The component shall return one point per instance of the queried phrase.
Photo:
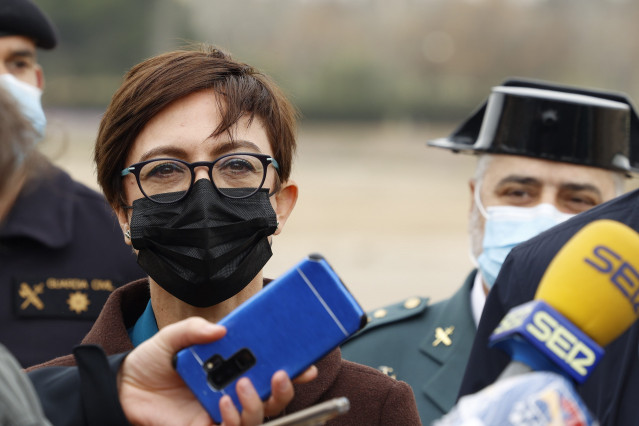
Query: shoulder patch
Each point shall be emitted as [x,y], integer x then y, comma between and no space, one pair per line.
[399,311]
[63,298]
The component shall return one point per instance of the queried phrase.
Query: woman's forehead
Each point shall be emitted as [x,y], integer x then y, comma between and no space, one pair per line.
[188,124]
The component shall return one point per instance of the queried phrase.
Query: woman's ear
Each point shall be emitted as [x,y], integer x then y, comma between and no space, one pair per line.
[285,200]
[123,220]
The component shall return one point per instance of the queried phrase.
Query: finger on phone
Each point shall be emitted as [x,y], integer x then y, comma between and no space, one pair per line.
[282,393]
[309,374]
[252,406]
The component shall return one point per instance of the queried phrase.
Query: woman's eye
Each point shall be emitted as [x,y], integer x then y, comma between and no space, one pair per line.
[238,165]
[164,170]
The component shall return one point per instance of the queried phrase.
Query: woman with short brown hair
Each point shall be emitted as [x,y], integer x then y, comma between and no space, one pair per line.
[194,154]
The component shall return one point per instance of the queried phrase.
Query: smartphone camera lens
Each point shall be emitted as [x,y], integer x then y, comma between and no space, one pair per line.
[224,372]
[244,360]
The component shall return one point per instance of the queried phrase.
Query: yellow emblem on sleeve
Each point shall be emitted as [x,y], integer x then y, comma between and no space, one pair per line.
[30,295]
[78,302]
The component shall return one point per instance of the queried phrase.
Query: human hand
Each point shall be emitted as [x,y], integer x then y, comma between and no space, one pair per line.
[151,392]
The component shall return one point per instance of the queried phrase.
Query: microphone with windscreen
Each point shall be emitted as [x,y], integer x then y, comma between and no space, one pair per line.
[588,296]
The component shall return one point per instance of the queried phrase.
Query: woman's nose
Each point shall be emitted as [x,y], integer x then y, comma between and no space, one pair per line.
[201,172]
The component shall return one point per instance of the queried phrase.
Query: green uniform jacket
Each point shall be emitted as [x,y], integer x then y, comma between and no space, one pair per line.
[425,346]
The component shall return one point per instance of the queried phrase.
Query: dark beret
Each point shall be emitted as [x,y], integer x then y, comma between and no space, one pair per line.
[22,17]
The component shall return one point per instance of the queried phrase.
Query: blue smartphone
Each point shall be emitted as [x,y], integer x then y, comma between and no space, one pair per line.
[290,324]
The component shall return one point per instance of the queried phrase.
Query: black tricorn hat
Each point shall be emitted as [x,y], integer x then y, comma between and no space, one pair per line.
[552,122]
[22,17]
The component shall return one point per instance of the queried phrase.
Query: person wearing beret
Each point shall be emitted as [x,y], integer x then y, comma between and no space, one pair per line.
[61,253]
[545,153]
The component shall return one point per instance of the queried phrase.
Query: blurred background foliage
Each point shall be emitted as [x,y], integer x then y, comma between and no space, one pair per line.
[354,60]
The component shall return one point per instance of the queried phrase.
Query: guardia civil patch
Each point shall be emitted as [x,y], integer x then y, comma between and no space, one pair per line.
[60,297]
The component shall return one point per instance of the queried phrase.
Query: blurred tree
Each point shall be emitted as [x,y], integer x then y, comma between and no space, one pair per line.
[355,59]
[101,40]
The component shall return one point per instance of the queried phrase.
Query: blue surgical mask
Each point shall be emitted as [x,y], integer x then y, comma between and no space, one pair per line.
[28,100]
[507,226]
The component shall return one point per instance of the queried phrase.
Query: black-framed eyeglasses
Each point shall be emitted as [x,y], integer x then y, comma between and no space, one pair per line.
[168,180]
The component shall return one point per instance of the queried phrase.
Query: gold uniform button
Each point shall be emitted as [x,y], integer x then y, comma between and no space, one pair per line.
[412,303]
[380,313]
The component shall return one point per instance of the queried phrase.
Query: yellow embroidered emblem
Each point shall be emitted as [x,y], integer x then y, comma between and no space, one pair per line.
[442,336]
[78,302]
[30,295]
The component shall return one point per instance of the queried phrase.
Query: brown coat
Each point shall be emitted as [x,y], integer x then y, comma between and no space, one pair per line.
[375,398]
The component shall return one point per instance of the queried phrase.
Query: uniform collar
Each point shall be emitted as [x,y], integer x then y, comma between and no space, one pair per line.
[44,210]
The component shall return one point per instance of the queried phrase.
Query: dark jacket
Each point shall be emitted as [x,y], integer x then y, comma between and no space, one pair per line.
[61,254]
[375,399]
[403,340]
[611,391]
[82,395]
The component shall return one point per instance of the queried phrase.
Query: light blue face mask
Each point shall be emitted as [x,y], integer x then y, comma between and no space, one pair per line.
[28,100]
[507,226]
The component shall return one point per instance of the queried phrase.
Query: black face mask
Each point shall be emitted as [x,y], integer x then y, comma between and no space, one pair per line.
[205,248]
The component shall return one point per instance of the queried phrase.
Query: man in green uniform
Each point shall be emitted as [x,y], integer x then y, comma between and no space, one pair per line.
[544,153]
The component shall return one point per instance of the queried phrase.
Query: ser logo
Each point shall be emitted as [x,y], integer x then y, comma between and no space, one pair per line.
[515,318]
[621,273]
[561,342]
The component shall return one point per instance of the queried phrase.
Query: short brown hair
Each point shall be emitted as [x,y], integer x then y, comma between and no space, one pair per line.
[153,84]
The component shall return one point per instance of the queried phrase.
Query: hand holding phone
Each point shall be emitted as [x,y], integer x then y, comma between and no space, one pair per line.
[290,324]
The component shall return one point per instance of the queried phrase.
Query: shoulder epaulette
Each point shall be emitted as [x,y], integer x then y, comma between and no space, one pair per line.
[399,311]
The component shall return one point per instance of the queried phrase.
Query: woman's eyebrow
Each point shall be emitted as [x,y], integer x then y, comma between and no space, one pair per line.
[175,151]
[234,145]
[172,151]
